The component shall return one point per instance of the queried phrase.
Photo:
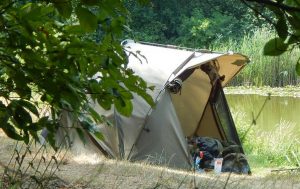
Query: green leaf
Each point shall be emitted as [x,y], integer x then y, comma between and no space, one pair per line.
[95,87]
[26,137]
[282,28]
[35,136]
[46,97]
[42,123]
[75,29]
[298,67]
[294,38]
[275,47]
[51,140]
[144,2]
[105,101]
[21,84]
[34,12]
[24,92]
[99,135]
[90,2]
[51,126]
[124,107]
[21,117]
[151,87]
[29,106]
[146,97]
[81,135]
[125,93]
[95,115]
[294,22]
[11,132]
[4,116]
[87,19]
[64,7]
[34,127]
[86,125]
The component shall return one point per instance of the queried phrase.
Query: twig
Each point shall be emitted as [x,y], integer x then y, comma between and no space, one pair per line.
[180,184]
[257,116]
[227,180]
[39,164]
[268,19]
[30,163]
[52,158]
[12,156]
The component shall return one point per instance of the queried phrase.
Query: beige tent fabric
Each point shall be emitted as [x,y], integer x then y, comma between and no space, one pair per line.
[130,127]
[110,133]
[190,103]
[155,64]
[73,139]
[198,59]
[175,116]
[158,65]
[162,141]
[208,125]
[230,65]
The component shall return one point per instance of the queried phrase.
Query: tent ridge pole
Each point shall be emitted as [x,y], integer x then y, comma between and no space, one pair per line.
[176,47]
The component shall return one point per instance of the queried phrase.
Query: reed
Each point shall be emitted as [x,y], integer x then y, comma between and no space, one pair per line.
[269,149]
[262,70]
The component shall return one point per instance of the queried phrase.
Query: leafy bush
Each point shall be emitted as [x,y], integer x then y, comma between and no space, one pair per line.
[48,56]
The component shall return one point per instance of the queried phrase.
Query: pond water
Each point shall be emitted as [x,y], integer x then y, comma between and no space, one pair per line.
[277,111]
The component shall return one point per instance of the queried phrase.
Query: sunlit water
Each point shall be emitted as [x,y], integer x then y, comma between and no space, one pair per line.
[277,110]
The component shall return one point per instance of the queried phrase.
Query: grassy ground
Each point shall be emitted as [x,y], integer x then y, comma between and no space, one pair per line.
[89,170]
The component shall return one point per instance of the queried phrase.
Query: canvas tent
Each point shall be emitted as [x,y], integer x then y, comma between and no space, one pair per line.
[158,134]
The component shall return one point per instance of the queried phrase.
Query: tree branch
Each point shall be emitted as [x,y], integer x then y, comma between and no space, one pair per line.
[277,4]
[3,9]
[266,18]
[258,12]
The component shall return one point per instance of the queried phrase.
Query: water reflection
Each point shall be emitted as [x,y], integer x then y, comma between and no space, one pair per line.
[276,110]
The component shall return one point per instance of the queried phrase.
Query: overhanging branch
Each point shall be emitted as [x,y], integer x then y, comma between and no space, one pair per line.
[277,4]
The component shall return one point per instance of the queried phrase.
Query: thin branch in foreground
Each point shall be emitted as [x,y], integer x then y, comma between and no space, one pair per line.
[277,4]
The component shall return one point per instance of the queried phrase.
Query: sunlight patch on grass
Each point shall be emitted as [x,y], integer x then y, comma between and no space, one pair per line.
[86,158]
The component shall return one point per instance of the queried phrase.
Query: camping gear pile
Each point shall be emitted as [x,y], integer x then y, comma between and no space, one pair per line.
[204,151]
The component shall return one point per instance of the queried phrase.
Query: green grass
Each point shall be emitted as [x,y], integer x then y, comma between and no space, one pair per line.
[277,148]
[263,70]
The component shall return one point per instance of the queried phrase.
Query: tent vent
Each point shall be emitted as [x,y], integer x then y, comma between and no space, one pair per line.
[175,86]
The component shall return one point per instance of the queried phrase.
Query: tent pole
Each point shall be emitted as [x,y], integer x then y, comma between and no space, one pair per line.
[176,47]
[94,141]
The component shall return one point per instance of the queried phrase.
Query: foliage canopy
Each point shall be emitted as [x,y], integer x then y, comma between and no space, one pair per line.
[49,57]
[284,16]
[200,24]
